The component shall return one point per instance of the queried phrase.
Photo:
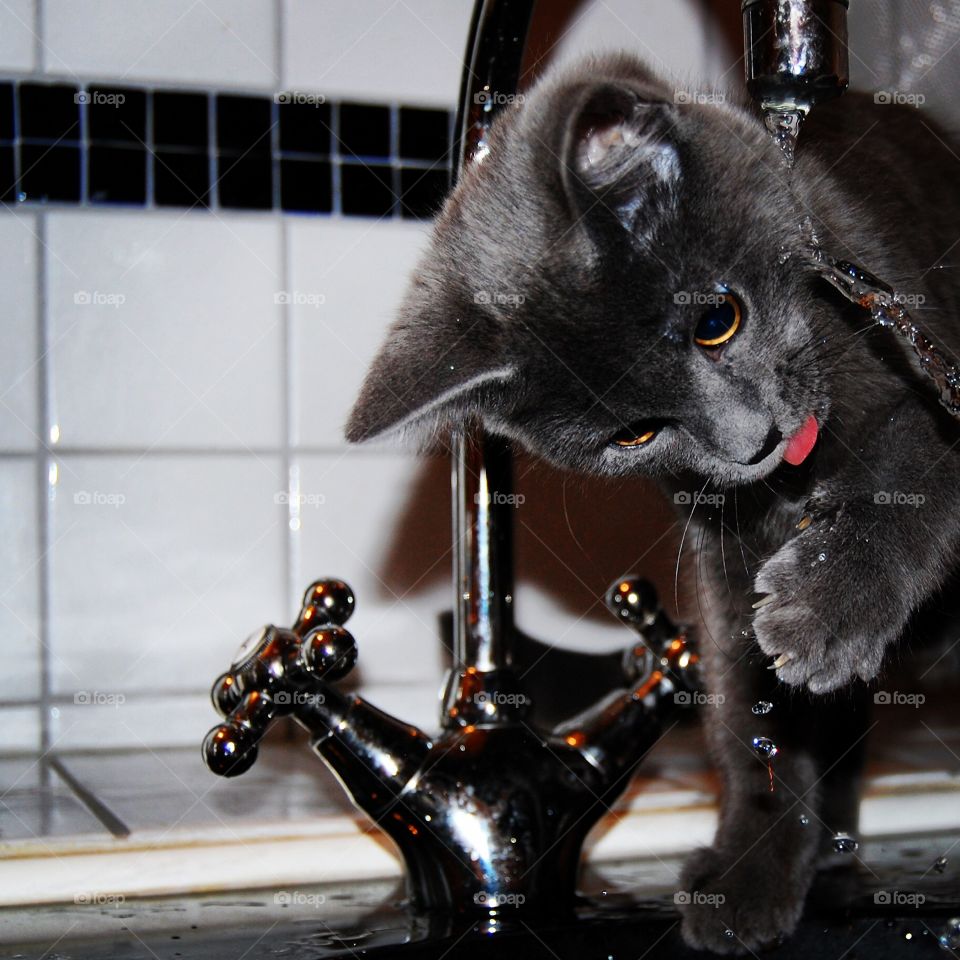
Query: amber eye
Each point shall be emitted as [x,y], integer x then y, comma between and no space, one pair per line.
[719,323]
[633,438]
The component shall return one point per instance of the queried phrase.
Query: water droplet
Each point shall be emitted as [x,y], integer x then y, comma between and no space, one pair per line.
[804,820]
[949,937]
[844,843]
[940,865]
[765,748]
[784,125]
[821,557]
[761,707]
[728,933]
[784,255]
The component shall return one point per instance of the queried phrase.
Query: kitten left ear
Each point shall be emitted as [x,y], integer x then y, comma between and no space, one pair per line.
[620,161]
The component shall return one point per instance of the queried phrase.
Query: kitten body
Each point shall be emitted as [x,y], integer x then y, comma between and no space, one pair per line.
[559,301]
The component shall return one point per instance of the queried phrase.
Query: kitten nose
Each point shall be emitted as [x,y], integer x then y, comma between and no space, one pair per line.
[769,445]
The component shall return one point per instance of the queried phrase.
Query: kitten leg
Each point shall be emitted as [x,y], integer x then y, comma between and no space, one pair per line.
[749,887]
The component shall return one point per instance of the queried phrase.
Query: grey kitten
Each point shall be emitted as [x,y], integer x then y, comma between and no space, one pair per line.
[621,287]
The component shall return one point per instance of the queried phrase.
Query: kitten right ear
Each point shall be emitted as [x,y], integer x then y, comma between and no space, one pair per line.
[620,161]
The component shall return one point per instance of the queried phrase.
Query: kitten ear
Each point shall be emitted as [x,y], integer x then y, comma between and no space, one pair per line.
[620,161]
[439,364]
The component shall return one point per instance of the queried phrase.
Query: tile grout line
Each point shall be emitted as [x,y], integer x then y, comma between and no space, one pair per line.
[289,426]
[42,470]
[90,800]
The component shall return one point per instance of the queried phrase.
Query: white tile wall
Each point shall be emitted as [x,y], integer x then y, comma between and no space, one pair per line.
[19,580]
[183,398]
[18,38]
[223,42]
[360,268]
[382,523]
[161,566]
[410,51]
[165,329]
[672,38]
[18,307]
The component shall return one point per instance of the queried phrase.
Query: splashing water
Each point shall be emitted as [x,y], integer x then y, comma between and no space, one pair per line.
[766,750]
[761,708]
[886,307]
[844,843]
[949,938]
[784,126]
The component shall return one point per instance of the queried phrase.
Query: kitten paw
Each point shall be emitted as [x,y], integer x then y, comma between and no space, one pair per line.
[732,906]
[822,625]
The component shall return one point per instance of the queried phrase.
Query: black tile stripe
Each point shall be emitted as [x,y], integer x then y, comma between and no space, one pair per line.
[296,152]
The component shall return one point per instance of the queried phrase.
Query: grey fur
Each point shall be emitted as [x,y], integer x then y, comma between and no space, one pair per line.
[556,303]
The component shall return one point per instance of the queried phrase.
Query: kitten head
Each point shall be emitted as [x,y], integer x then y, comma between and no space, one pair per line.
[605,288]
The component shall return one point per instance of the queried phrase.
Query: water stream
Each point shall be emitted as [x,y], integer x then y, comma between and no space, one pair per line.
[859,285]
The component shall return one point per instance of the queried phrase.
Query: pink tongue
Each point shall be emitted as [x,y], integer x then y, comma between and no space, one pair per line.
[802,442]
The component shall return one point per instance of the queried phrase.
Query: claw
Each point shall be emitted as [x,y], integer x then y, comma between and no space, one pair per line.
[782,660]
[763,601]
